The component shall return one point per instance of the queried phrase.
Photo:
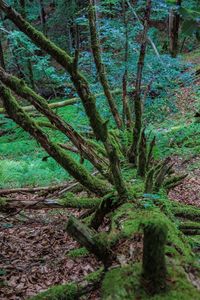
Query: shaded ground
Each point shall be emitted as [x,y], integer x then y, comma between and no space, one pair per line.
[34,255]
[188,192]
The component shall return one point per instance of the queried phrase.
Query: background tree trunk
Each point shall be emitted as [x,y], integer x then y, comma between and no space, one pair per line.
[174,24]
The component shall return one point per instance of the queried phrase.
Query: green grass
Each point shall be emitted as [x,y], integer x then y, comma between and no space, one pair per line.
[22,159]
[178,137]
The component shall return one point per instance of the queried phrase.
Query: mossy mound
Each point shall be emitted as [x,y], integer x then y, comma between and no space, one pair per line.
[71,200]
[128,219]
[125,284]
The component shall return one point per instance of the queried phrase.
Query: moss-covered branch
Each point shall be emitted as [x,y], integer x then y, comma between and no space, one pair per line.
[21,89]
[154,265]
[69,164]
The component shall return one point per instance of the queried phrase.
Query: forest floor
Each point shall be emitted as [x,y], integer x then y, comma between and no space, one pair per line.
[37,252]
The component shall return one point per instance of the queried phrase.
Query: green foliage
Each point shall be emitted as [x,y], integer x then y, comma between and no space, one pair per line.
[178,139]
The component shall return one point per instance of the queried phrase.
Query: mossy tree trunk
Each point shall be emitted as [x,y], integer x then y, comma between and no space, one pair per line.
[137,98]
[99,63]
[127,117]
[154,265]
[174,24]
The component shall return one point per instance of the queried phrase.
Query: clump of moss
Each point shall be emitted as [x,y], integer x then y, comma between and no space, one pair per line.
[2,202]
[136,188]
[71,200]
[59,292]
[128,219]
[80,252]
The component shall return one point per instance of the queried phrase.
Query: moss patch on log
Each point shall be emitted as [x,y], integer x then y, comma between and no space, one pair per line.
[71,200]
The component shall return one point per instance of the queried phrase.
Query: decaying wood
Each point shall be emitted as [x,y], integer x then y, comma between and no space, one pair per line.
[89,239]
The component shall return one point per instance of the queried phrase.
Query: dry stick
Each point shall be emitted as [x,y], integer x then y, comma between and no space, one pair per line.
[137,95]
[75,169]
[96,50]
[98,125]
[20,88]
[32,190]
[29,206]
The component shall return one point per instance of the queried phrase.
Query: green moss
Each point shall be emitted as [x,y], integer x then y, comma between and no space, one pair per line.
[80,252]
[71,200]
[190,225]
[186,211]
[128,219]
[2,202]
[59,292]
[124,284]
[95,276]
[136,188]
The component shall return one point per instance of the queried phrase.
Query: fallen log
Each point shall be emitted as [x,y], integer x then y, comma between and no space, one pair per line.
[90,240]
[7,204]
[37,189]
[60,104]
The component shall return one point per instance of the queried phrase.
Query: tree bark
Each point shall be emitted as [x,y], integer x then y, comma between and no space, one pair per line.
[2,61]
[43,17]
[174,24]
[89,239]
[137,93]
[154,265]
[99,63]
